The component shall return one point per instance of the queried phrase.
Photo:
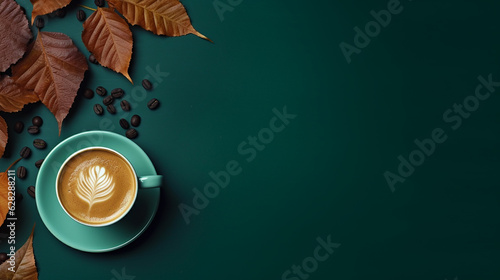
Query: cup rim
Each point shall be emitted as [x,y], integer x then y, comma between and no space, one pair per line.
[97,148]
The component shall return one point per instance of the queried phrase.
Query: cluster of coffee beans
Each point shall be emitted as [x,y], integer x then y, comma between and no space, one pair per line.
[108,103]
[25,152]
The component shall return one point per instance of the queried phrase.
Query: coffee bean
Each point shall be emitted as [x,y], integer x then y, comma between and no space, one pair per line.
[80,15]
[21,172]
[19,126]
[131,133]
[33,129]
[19,196]
[38,121]
[39,162]
[101,91]
[124,124]
[60,13]
[39,23]
[39,144]
[98,109]
[125,105]
[111,109]
[92,59]
[135,120]
[3,257]
[153,104]
[31,191]
[25,152]
[108,100]
[99,3]
[88,93]
[117,93]
[146,84]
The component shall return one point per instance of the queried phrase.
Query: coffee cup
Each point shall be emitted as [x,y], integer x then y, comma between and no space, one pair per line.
[97,186]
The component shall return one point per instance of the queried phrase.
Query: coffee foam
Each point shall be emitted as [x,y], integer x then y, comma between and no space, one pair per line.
[96,186]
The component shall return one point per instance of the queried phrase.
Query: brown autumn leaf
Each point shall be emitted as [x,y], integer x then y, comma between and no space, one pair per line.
[4,136]
[54,70]
[24,265]
[12,97]
[15,33]
[162,17]
[108,37]
[43,7]
[4,194]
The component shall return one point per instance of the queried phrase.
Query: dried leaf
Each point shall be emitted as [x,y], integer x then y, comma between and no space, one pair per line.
[4,136]
[25,267]
[4,195]
[12,97]
[108,37]
[162,17]
[53,69]
[15,33]
[43,7]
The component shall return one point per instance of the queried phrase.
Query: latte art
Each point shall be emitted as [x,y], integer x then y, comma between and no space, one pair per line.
[95,185]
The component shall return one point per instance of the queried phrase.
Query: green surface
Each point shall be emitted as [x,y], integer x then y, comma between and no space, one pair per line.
[323,174]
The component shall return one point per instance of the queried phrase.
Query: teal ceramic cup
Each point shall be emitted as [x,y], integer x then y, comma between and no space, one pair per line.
[138,183]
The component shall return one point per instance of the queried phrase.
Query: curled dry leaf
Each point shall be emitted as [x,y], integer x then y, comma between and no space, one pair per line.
[54,70]
[4,136]
[162,17]
[108,37]
[4,195]
[15,33]
[43,7]
[25,267]
[12,97]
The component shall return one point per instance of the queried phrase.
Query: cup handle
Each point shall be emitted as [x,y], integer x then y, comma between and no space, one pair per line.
[151,181]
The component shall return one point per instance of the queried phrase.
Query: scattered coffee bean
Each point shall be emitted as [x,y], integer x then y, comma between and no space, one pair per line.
[60,13]
[99,3]
[31,191]
[25,152]
[39,23]
[124,124]
[38,121]
[21,172]
[117,93]
[19,196]
[153,104]
[39,144]
[131,133]
[101,91]
[33,129]
[19,126]
[38,163]
[3,257]
[135,120]
[147,84]
[111,109]
[98,109]
[125,105]
[80,15]
[88,93]
[108,100]
[92,59]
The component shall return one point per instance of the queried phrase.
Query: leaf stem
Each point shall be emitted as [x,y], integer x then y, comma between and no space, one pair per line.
[86,7]
[13,164]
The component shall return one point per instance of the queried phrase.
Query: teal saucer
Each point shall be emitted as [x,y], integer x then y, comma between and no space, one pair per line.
[95,239]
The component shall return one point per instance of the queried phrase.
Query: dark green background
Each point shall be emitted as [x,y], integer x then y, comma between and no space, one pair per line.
[323,175]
